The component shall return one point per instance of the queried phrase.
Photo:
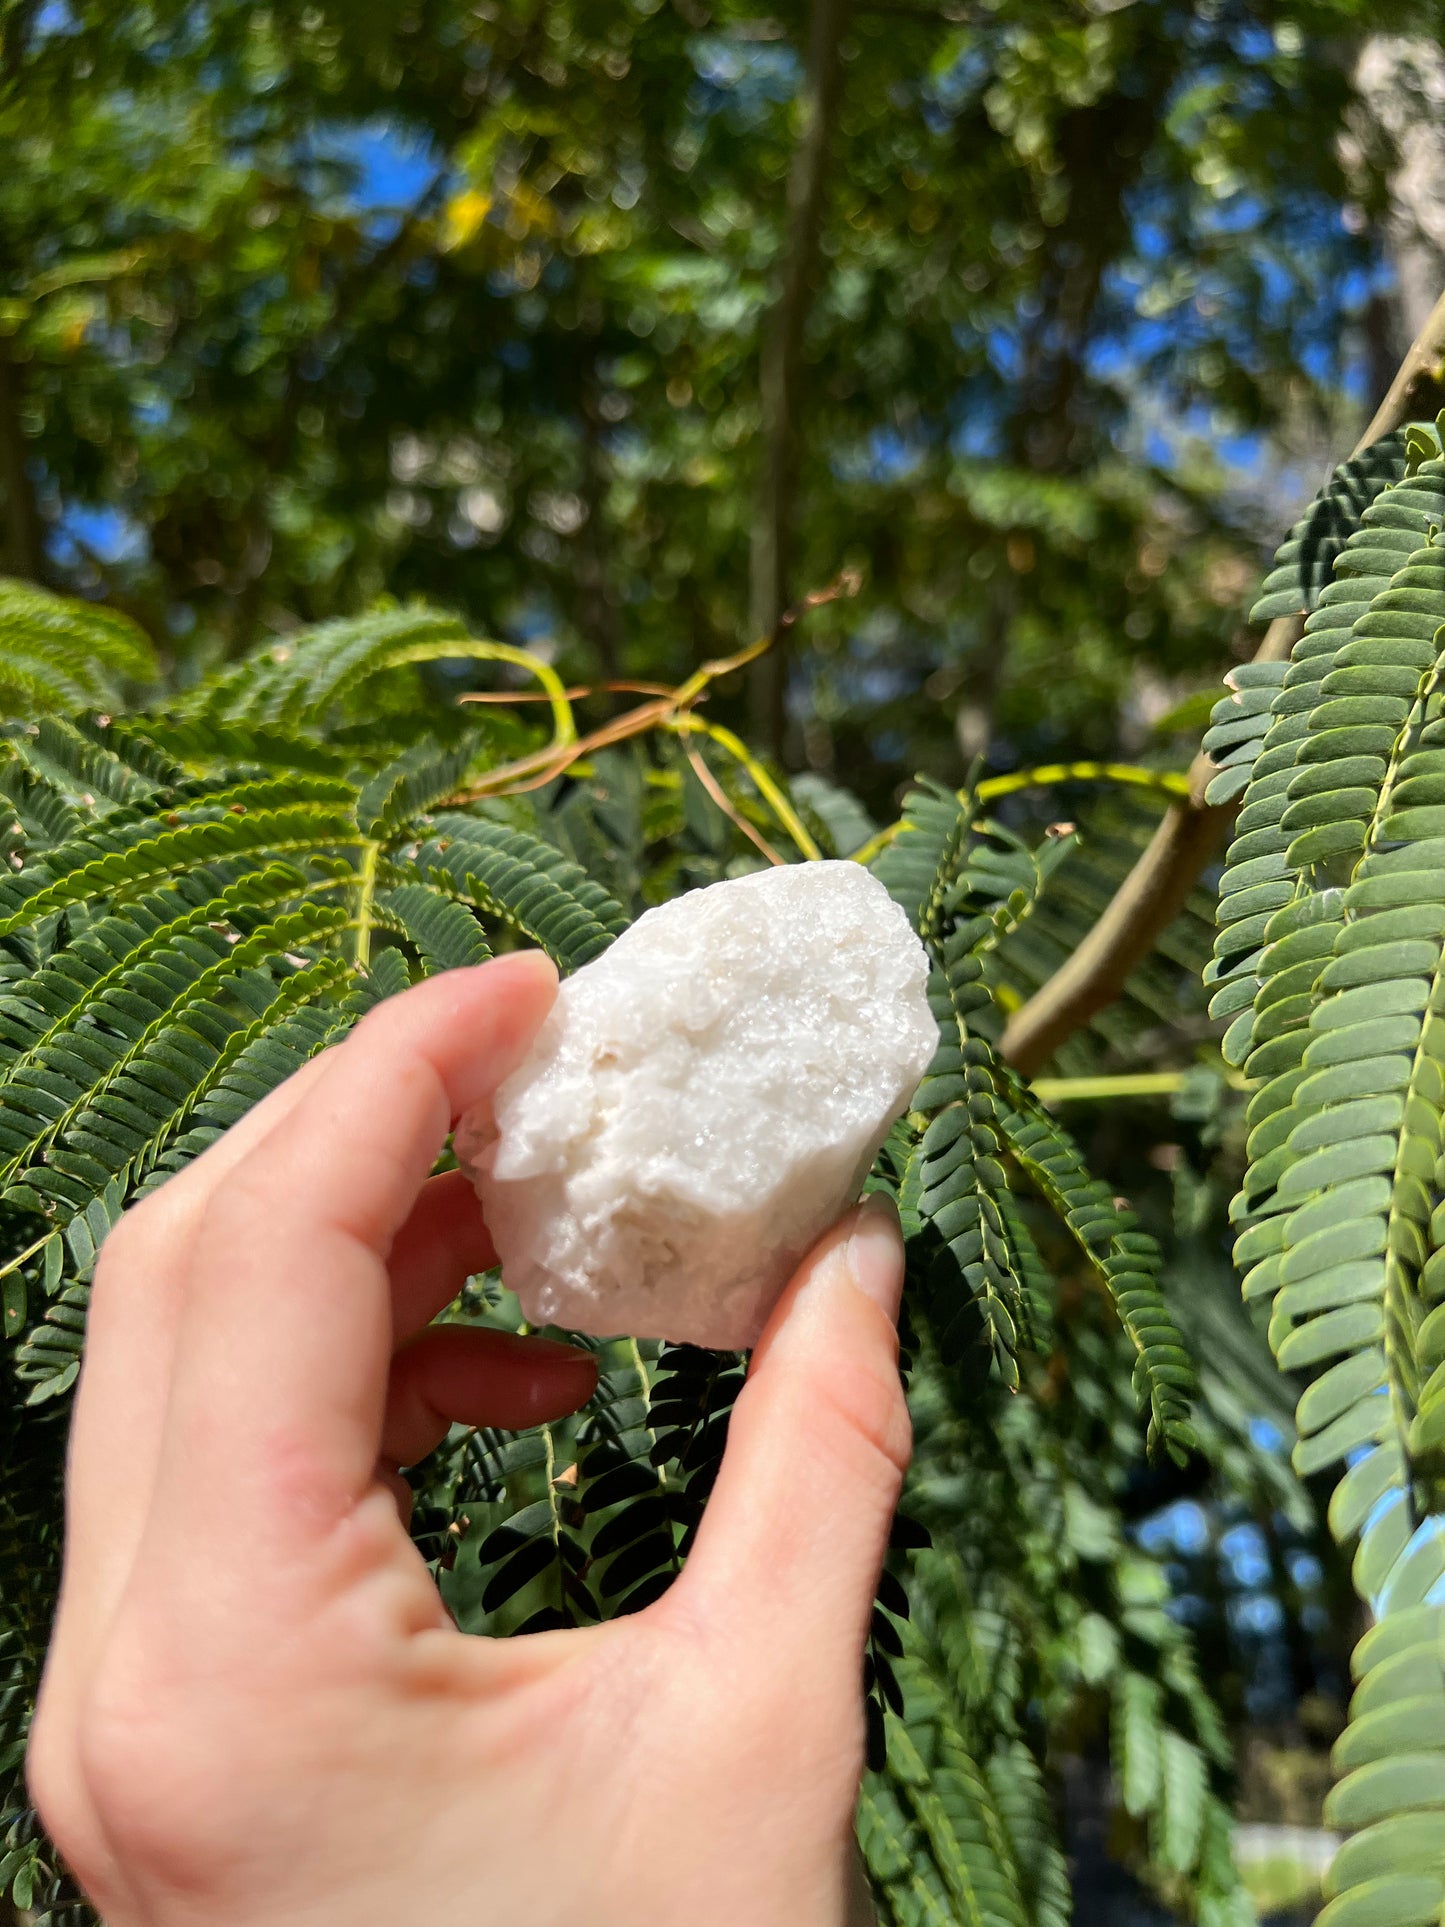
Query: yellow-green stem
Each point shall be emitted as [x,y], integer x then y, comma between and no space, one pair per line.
[1086,1090]
[23,1257]
[1044,776]
[365,897]
[1171,782]
[564,725]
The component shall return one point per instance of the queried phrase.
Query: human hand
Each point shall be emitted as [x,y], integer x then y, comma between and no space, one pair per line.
[256,1707]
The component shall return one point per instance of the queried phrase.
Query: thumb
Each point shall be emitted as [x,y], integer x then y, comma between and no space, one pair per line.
[789,1550]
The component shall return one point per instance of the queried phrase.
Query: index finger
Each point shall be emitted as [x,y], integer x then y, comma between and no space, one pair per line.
[286,1337]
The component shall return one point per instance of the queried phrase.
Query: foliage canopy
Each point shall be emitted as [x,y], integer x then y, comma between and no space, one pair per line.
[278,285]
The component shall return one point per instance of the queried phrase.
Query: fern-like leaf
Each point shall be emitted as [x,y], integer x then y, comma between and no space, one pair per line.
[1332,955]
[58,654]
[1305,560]
[533,887]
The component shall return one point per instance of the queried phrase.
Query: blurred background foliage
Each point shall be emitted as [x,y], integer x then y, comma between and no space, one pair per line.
[1062,304]
[616,326]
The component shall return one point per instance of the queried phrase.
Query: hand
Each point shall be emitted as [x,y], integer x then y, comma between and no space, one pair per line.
[256,1708]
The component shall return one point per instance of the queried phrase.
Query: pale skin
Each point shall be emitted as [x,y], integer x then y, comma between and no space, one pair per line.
[257,1709]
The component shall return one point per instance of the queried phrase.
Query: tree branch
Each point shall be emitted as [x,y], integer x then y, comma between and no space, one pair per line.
[1191,830]
[780,370]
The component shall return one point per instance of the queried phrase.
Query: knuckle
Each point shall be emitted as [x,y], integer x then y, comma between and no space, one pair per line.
[158,1777]
[125,1249]
[139,1238]
[50,1777]
[888,1429]
[870,1402]
[245,1208]
[135,1267]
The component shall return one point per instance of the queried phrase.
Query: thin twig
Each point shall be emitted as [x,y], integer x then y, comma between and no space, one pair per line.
[574,693]
[725,803]
[542,766]
[761,781]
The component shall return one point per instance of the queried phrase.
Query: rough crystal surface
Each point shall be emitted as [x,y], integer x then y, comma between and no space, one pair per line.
[702,1102]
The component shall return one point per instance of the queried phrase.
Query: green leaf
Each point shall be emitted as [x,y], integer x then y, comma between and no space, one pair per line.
[526,882]
[59,654]
[1305,559]
[1387,1787]
[1405,1843]
[1393,1900]
[1137,1740]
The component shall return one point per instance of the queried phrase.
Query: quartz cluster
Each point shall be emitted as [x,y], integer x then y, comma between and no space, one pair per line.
[702,1102]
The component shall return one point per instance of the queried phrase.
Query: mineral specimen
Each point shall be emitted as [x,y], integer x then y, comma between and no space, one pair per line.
[702,1102]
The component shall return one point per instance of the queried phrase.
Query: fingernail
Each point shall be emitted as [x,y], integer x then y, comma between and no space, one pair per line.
[875,1251]
[537,962]
[550,1351]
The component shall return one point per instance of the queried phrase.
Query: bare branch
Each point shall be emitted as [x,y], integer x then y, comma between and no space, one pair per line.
[1191,830]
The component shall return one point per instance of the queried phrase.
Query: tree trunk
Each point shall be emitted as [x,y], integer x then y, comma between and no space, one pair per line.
[22,551]
[597,603]
[1401,82]
[780,373]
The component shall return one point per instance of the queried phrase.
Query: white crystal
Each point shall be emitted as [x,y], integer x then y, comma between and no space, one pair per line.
[702,1102]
